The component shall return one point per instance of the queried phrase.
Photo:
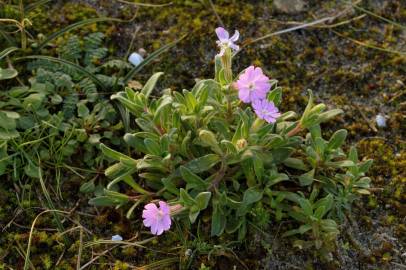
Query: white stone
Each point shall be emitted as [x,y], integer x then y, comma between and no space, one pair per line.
[116,237]
[380,121]
[135,59]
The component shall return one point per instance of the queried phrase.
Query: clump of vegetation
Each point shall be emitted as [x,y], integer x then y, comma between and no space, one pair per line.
[206,151]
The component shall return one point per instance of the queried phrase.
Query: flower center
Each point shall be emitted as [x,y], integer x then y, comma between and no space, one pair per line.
[251,86]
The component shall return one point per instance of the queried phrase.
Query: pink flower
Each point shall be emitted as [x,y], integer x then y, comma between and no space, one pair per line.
[225,41]
[266,110]
[253,85]
[159,219]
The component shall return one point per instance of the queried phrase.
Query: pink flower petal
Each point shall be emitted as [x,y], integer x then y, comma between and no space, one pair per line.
[166,222]
[244,95]
[164,207]
[235,37]
[222,34]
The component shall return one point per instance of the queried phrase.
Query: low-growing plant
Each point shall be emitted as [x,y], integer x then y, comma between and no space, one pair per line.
[223,148]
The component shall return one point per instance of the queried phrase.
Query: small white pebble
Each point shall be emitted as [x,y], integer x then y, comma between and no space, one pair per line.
[380,120]
[116,237]
[188,252]
[135,59]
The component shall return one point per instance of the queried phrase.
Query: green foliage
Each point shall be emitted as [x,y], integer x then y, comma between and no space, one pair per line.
[203,149]
[59,115]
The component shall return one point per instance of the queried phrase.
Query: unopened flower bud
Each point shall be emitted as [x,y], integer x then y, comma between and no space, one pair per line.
[241,144]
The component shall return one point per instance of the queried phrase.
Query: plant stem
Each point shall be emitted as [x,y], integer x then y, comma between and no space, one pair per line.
[294,131]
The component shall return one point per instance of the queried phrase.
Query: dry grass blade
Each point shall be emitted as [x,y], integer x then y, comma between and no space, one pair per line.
[144,4]
[27,261]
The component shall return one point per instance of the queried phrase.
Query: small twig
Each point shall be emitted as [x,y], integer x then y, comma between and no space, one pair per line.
[400,265]
[144,4]
[397,96]
[218,177]
[365,118]
[377,16]
[369,45]
[215,13]
[80,249]
[305,25]
[60,258]
[97,257]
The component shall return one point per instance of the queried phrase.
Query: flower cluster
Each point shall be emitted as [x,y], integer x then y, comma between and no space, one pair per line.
[253,87]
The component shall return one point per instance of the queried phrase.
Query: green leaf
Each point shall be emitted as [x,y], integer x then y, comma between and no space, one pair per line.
[309,105]
[83,111]
[170,185]
[186,198]
[304,228]
[295,163]
[275,96]
[307,179]
[315,132]
[320,211]
[103,201]
[87,187]
[69,64]
[233,224]
[152,146]
[326,202]
[317,109]
[290,233]
[364,182]
[193,213]
[252,195]
[337,139]
[114,154]
[258,167]
[353,154]
[191,101]
[202,200]
[365,165]
[32,170]
[7,73]
[7,51]
[320,146]
[203,163]
[341,164]
[150,84]
[135,142]
[8,134]
[7,122]
[218,222]
[306,206]
[323,117]
[274,179]
[192,180]
[329,225]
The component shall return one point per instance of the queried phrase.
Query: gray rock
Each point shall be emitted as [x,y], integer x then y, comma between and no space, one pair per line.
[289,6]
